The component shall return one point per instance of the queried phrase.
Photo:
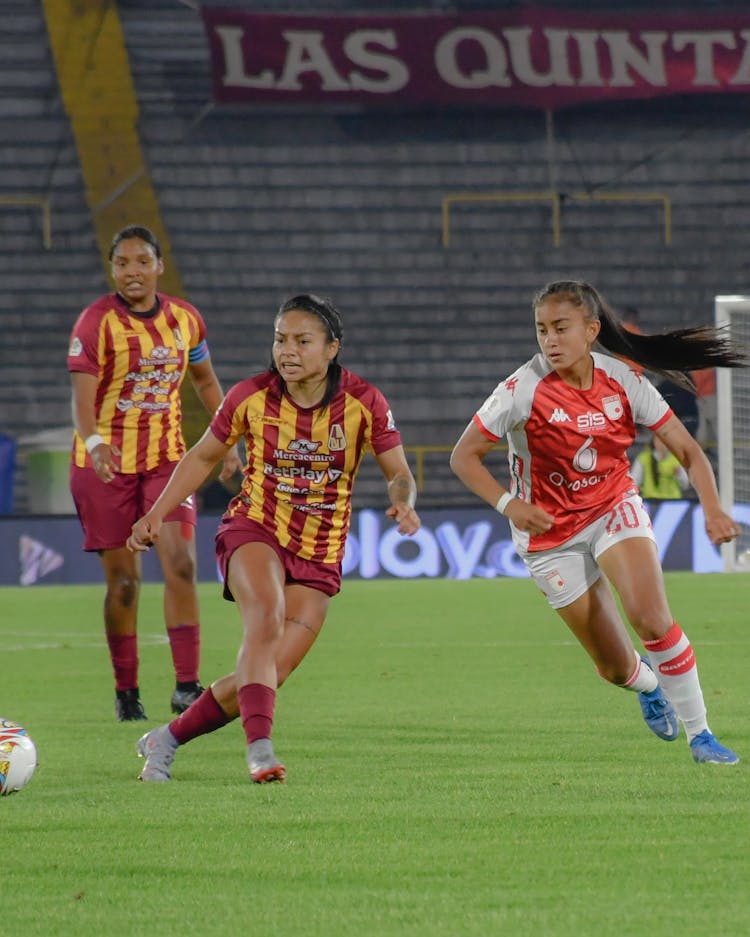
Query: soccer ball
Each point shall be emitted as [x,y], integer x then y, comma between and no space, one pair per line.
[10,728]
[17,757]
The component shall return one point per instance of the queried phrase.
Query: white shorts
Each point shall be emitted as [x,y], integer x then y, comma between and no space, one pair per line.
[564,573]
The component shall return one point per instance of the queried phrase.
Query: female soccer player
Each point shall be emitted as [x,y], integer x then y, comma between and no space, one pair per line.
[129,353]
[306,423]
[569,415]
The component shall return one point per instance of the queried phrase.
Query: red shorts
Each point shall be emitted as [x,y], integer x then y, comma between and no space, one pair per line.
[107,510]
[233,532]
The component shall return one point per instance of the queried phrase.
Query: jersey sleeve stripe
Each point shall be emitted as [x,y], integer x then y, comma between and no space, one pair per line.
[483,429]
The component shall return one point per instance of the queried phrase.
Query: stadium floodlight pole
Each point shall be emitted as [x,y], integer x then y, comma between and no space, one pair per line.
[731,313]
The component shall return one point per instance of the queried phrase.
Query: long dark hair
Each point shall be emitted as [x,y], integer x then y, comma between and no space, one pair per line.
[329,316]
[672,353]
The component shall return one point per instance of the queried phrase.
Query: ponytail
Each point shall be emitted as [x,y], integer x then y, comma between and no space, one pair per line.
[670,354]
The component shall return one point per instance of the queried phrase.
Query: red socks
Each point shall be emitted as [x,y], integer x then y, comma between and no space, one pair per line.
[185,643]
[123,651]
[256,709]
[203,716]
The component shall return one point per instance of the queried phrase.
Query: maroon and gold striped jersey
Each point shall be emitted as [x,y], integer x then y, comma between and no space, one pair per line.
[140,362]
[301,462]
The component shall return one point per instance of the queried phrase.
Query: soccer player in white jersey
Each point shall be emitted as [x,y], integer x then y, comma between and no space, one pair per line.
[569,415]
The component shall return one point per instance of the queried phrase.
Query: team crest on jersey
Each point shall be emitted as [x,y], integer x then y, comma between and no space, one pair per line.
[559,416]
[613,406]
[178,339]
[76,347]
[337,439]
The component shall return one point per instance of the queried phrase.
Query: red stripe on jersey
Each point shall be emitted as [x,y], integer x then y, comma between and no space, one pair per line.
[482,429]
[336,417]
[272,409]
[302,462]
[298,518]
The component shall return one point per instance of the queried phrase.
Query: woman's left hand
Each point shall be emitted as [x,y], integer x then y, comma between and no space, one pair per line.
[231,464]
[721,528]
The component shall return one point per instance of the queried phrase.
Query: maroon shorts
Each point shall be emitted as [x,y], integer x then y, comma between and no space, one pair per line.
[107,510]
[233,532]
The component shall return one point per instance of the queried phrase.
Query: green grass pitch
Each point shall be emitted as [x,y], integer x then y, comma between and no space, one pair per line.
[455,767]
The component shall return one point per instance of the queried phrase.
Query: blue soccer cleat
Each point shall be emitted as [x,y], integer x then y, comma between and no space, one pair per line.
[659,715]
[706,749]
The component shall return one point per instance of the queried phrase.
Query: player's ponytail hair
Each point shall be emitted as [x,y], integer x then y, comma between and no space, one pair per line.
[671,354]
[331,319]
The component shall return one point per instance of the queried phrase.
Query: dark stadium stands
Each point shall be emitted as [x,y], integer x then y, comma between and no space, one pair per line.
[349,204]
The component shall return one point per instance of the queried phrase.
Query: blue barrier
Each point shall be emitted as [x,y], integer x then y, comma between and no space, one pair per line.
[7,472]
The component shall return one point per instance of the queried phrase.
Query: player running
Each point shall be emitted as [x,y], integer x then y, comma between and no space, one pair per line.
[306,424]
[569,415]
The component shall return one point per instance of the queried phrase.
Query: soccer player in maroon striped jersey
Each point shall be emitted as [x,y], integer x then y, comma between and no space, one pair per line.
[307,423]
[129,353]
[569,416]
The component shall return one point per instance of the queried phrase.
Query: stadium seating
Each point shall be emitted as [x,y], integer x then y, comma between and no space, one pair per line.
[349,204]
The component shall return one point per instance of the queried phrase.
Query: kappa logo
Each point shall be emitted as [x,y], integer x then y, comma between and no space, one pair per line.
[559,416]
[511,384]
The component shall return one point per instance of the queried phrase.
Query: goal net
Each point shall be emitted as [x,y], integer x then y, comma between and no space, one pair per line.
[733,431]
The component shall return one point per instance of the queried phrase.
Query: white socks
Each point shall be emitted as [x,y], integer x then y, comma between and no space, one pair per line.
[674,662]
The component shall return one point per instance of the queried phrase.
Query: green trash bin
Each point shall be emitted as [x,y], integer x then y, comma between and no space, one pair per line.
[48,477]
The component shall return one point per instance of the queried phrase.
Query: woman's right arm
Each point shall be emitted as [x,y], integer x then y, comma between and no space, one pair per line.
[83,404]
[189,474]
[467,462]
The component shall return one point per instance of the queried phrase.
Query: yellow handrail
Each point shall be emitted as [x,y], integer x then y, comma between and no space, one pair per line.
[555,200]
[420,451]
[632,197]
[23,201]
[547,196]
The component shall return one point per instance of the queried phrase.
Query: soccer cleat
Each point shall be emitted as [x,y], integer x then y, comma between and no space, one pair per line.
[262,762]
[158,747]
[706,749]
[659,715]
[185,694]
[128,705]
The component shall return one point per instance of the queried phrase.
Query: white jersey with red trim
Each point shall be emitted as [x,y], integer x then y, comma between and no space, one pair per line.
[567,448]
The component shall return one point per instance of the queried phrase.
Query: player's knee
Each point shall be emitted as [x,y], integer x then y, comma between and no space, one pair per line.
[183,569]
[269,627]
[123,589]
[650,626]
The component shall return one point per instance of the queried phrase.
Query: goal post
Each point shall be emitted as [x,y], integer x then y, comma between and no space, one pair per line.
[733,431]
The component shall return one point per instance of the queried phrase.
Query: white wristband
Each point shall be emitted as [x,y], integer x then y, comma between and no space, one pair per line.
[502,504]
[92,441]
